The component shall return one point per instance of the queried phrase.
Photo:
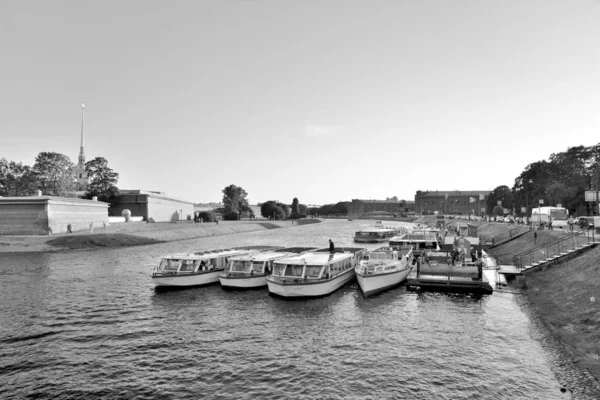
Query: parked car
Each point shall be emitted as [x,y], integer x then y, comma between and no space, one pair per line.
[499,219]
[509,220]
[585,222]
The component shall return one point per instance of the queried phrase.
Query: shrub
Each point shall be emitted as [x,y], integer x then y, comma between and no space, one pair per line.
[207,216]
[230,216]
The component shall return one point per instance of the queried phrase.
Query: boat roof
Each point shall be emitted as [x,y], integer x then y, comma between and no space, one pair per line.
[206,254]
[262,256]
[314,258]
[402,250]
[378,230]
[415,237]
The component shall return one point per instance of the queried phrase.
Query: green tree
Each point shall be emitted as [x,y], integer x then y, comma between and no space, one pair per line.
[502,194]
[16,179]
[102,180]
[295,208]
[272,209]
[234,199]
[498,210]
[55,174]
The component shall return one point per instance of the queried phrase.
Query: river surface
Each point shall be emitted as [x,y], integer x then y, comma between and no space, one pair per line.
[90,324]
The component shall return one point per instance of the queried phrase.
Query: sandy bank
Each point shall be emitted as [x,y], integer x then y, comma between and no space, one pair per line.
[136,233]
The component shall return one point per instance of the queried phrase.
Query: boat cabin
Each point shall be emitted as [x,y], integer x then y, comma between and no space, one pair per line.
[195,263]
[418,241]
[313,266]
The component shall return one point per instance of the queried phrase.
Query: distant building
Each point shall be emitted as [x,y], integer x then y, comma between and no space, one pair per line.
[43,215]
[358,207]
[154,205]
[451,202]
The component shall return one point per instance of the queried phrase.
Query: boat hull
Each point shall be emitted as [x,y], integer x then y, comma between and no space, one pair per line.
[451,285]
[246,282]
[373,284]
[310,289]
[365,240]
[204,278]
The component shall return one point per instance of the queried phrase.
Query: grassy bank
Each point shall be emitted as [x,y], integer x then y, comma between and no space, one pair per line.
[568,297]
[137,233]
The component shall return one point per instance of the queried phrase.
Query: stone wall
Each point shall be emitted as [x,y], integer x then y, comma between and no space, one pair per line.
[42,215]
[164,209]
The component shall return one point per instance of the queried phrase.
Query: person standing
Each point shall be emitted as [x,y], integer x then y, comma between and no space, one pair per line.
[331,246]
[534,237]
[91,227]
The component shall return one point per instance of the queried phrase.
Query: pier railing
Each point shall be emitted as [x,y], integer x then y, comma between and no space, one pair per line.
[559,247]
[493,240]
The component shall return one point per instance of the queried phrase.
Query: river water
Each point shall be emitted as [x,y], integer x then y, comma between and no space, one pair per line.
[89,324]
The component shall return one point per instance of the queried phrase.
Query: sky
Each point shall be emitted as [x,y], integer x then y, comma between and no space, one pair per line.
[325,101]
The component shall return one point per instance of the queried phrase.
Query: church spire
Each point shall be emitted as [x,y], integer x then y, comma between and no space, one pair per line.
[80,169]
[81,152]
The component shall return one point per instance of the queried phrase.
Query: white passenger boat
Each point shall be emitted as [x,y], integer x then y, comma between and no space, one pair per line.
[376,235]
[313,274]
[383,268]
[250,271]
[419,241]
[193,269]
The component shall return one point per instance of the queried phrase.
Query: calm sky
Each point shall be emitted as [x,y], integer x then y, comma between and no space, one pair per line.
[321,100]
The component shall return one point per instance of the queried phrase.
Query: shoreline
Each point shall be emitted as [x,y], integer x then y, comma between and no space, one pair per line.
[135,234]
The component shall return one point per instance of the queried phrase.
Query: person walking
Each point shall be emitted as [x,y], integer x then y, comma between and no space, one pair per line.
[91,227]
[69,229]
[331,246]
[534,237]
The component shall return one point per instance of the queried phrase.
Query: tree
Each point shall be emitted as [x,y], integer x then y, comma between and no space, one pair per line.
[103,180]
[234,199]
[502,194]
[16,179]
[393,198]
[55,174]
[271,209]
[295,208]
[498,210]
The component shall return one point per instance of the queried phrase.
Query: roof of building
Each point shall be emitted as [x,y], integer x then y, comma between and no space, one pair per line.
[153,193]
[381,201]
[48,198]
[453,193]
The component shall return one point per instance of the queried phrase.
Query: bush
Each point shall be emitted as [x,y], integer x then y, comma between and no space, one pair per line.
[207,216]
[231,216]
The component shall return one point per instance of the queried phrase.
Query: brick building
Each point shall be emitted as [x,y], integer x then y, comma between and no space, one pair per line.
[358,207]
[451,202]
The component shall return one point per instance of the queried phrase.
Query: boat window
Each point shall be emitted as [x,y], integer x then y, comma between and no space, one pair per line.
[257,266]
[169,265]
[278,269]
[241,266]
[187,266]
[293,270]
[312,271]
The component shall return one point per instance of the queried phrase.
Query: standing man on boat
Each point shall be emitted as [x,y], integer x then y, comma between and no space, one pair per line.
[331,246]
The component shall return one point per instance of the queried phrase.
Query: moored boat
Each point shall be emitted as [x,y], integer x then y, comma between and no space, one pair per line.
[249,271]
[313,274]
[450,271]
[193,269]
[419,241]
[375,235]
[384,268]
